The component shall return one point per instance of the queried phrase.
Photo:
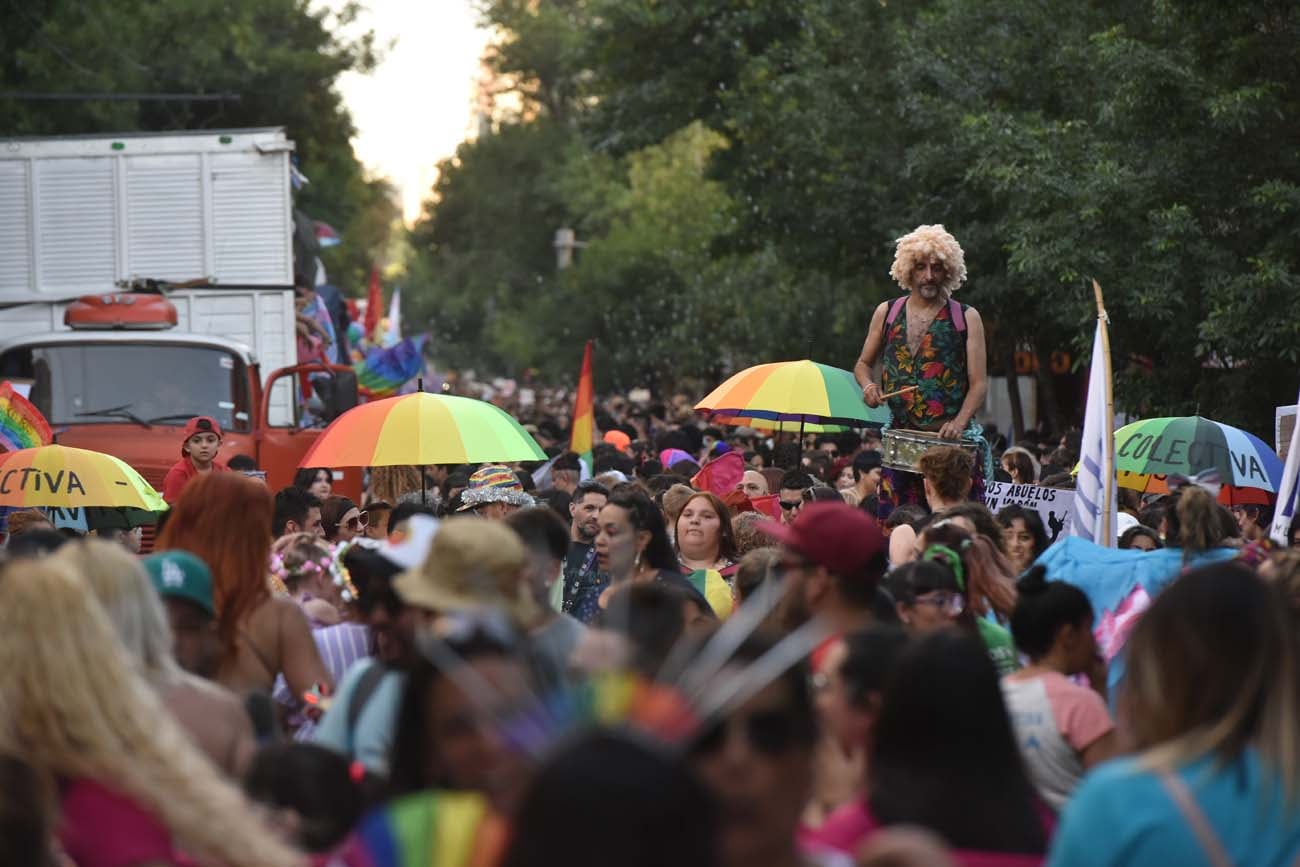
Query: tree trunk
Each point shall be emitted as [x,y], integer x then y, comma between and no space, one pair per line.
[1013,391]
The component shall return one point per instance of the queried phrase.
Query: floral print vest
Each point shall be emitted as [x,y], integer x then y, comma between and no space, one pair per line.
[939,369]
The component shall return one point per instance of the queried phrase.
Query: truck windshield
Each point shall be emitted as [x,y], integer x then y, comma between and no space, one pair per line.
[96,383]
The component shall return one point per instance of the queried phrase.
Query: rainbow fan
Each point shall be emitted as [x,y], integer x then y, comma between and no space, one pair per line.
[434,828]
[21,424]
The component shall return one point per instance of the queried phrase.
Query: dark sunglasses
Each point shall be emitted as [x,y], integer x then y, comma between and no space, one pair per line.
[361,520]
[771,733]
[789,506]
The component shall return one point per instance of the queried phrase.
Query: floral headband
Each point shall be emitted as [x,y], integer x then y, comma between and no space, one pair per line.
[331,564]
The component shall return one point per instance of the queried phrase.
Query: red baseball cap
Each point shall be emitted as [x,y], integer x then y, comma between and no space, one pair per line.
[618,440]
[201,424]
[834,535]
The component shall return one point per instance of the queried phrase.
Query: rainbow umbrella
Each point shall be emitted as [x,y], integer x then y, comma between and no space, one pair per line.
[420,429]
[68,478]
[792,395]
[1188,445]
[427,829]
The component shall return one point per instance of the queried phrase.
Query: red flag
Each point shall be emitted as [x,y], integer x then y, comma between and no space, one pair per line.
[769,505]
[720,475]
[374,305]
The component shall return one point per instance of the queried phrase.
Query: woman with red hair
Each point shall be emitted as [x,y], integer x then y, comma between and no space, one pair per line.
[225,520]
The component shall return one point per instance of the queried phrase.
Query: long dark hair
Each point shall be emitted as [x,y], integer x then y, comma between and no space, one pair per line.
[943,735]
[643,514]
[1042,608]
[1033,523]
[306,476]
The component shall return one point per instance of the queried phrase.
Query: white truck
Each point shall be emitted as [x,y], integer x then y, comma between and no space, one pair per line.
[84,221]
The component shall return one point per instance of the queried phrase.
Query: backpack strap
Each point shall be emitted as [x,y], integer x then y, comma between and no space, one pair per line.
[895,309]
[366,687]
[957,314]
[1211,846]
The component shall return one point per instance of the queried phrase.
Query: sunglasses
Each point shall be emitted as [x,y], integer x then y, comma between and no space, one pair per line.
[789,506]
[771,733]
[360,521]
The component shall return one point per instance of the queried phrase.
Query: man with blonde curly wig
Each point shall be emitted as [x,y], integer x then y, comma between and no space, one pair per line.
[927,340]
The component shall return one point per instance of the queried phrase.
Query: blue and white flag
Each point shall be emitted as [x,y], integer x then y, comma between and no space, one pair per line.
[1094,513]
[1286,495]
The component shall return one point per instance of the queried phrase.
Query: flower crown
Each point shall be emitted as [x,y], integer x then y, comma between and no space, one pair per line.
[332,564]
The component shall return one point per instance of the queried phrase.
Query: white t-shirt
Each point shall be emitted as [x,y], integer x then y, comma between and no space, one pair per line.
[1055,720]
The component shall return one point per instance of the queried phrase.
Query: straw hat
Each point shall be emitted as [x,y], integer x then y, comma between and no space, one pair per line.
[472,565]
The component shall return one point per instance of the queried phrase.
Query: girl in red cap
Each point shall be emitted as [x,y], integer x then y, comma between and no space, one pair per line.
[198,455]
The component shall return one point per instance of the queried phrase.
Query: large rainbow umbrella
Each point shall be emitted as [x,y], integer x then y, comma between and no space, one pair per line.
[790,395]
[1148,451]
[67,478]
[420,429]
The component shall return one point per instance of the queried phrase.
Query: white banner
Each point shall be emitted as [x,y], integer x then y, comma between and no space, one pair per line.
[1051,504]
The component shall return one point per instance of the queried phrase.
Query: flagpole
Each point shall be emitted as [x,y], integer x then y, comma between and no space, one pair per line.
[1103,322]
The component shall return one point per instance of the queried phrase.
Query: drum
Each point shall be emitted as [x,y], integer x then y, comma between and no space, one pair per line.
[902,449]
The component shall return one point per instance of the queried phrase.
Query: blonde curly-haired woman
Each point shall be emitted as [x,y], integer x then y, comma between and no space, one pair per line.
[213,716]
[132,788]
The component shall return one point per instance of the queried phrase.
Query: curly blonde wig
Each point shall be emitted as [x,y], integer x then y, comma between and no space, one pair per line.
[929,241]
[72,705]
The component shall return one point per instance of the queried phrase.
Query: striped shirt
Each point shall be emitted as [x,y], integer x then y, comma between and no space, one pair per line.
[341,646]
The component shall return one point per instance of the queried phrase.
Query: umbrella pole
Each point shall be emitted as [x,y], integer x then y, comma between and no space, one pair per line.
[424,497]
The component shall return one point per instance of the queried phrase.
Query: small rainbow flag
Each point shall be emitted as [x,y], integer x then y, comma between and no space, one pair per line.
[21,424]
[434,828]
[584,413]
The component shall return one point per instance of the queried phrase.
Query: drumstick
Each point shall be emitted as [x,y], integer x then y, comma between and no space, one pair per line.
[899,391]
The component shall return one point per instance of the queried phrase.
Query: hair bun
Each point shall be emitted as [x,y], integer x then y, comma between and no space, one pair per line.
[1033,582]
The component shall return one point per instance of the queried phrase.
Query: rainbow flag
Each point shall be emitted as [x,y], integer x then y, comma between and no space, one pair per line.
[383,371]
[434,828]
[584,413]
[21,424]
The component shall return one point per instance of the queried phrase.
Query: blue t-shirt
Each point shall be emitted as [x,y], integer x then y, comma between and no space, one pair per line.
[1122,815]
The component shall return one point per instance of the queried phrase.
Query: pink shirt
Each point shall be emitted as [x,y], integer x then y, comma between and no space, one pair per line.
[101,827]
[849,827]
[1055,720]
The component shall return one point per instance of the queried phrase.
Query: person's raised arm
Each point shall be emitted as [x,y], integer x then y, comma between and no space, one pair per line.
[864,371]
[976,374]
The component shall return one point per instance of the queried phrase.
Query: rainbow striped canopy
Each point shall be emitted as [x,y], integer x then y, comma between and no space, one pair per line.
[788,394]
[420,429]
[68,478]
[427,829]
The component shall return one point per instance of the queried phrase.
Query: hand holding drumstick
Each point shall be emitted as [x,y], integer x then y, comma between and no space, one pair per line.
[873,398]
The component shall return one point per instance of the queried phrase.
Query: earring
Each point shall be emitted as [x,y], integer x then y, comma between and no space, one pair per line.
[636,564]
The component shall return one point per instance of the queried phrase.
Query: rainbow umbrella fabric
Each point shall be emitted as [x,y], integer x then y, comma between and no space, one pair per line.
[421,429]
[427,829]
[1188,445]
[786,395]
[69,478]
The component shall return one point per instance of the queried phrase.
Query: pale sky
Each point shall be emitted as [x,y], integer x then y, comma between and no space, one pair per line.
[417,106]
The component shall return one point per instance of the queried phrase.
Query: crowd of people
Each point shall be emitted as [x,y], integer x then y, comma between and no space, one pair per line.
[637,658]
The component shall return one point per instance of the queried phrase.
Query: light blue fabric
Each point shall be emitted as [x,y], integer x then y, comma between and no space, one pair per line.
[372,739]
[1121,815]
[1109,575]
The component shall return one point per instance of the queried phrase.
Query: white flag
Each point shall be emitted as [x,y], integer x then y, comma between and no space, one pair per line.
[1286,497]
[1094,513]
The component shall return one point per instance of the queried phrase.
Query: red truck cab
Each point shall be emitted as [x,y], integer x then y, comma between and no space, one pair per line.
[122,382]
